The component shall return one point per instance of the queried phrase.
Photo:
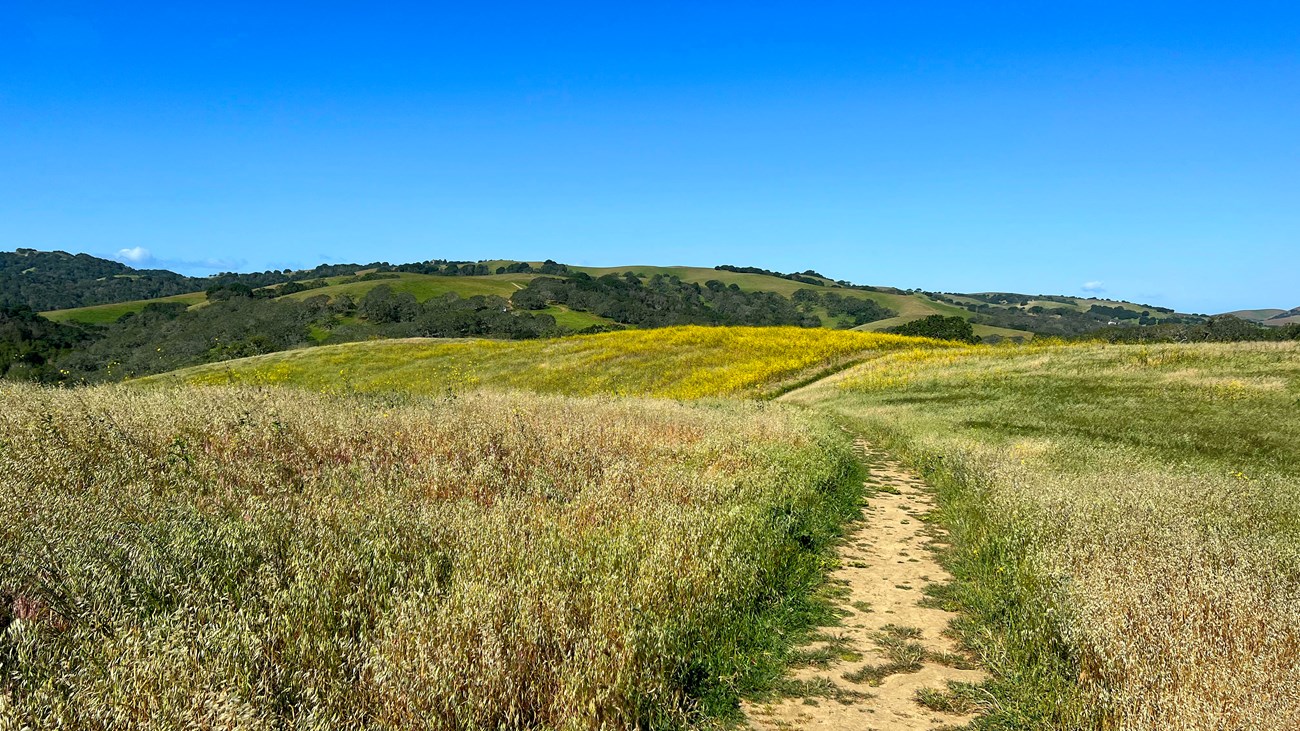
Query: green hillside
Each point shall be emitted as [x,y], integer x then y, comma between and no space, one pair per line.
[105,314]
[992,314]
[573,319]
[425,286]
[44,280]
[909,306]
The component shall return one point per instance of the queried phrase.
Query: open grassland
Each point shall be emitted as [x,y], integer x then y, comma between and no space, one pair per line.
[268,559]
[425,286]
[1126,522]
[1124,526]
[679,362]
[574,320]
[106,314]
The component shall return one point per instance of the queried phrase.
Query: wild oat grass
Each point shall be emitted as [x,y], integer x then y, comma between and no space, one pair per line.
[1143,500]
[678,362]
[252,558]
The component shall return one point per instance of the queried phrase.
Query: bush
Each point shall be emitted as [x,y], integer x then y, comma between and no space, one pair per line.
[939,328]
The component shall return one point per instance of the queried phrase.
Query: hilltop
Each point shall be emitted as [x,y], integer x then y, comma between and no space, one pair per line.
[86,289]
[1270,317]
[129,323]
[58,280]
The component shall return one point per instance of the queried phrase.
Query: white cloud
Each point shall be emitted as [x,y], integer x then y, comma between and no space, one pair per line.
[135,255]
[1093,287]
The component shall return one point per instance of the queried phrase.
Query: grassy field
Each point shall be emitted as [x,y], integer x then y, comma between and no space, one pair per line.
[681,362]
[1126,521]
[106,314]
[1124,525]
[574,320]
[426,286]
[265,559]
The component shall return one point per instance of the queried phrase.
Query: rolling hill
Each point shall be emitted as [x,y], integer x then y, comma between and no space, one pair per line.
[105,314]
[908,306]
[993,315]
[44,280]
[1272,317]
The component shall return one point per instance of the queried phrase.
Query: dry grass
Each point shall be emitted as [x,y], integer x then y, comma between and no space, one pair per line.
[241,558]
[1145,499]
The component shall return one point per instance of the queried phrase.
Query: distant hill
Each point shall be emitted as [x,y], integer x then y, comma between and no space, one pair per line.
[101,320]
[1289,317]
[1270,316]
[84,289]
[46,280]
[57,280]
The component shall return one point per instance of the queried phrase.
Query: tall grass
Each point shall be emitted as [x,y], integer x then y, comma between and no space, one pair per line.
[245,558]
[1126,522]
[678,362]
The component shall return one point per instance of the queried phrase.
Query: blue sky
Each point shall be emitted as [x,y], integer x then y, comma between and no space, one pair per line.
[1144,151]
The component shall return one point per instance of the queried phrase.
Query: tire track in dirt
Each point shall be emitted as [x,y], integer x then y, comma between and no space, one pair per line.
[866,671]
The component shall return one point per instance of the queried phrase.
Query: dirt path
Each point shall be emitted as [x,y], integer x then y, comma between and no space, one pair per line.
[865,673]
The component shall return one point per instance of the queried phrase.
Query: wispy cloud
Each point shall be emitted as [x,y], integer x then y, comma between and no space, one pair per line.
[202,267]
[139,256]
[135,255]
[1093,286]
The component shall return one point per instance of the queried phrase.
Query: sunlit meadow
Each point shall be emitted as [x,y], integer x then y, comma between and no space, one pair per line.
[677,362]
[253,558]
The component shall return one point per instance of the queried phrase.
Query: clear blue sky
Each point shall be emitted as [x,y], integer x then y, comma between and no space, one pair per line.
[1151,153]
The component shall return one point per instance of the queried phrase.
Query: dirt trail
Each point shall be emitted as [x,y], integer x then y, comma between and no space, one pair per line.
[888,643]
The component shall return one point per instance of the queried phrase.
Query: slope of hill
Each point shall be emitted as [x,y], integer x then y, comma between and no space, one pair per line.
[425,286]
[109,313]
[47,280]
[1257,315]
[61,282]
[908,306]
[681,362]
[1289,317]
[994,315]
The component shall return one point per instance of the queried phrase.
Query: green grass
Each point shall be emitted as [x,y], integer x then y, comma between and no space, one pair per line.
[426,286]
[1124,522]
[574,319]
[107,314]
[915,306]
